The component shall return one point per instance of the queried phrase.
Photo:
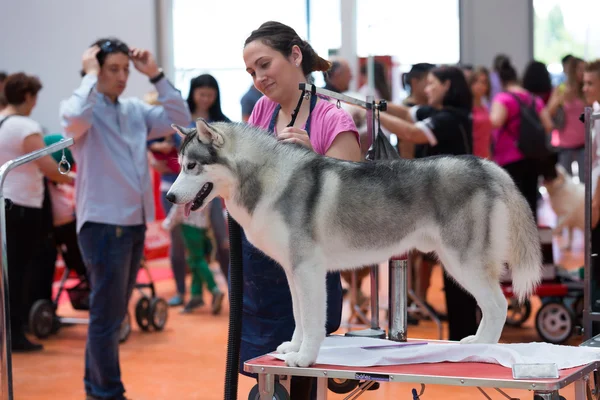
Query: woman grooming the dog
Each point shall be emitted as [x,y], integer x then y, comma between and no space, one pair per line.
[443,127]
[278,61]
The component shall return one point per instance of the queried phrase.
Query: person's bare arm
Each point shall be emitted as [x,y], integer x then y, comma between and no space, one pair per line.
[404,130]
[498,114]
[399,111]
[345,147]
[46,164]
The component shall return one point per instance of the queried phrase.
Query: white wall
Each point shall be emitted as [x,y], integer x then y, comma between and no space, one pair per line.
[47,39]
[489,27]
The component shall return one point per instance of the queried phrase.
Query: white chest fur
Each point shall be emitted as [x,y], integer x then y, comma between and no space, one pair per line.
[265,229]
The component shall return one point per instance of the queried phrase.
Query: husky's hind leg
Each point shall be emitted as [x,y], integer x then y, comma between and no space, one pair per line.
[293,345]
[310,289]
[481,281]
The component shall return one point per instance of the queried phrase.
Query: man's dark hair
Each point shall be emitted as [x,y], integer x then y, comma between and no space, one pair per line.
[3,76]
[108,46]
[566,58]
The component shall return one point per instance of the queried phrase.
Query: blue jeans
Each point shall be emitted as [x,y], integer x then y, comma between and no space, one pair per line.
[112,256]
[176,251]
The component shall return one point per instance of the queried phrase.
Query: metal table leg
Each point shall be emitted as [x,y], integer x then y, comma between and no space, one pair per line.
[397,325]
[266,386]
[322,388]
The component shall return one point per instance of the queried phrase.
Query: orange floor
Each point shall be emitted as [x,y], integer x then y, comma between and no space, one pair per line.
[187,359]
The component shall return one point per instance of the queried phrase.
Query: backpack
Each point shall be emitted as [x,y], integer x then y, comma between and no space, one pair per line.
[533,142]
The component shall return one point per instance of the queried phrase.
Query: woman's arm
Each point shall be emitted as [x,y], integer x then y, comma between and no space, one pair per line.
[546,120]
[498,114]
[403,129]
[555,101]
[399,111]
[46,164]
[344,147]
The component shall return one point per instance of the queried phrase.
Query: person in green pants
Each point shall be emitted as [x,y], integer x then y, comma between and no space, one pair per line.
[194,229]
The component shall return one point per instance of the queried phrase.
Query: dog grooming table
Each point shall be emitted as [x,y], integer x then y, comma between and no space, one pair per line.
[477,375]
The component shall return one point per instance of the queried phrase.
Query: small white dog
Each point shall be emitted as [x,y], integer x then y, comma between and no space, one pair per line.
[567,199]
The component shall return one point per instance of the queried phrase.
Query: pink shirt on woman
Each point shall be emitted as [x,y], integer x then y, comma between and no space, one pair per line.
[482,131]
[573,133]
[505,137]
[327,121]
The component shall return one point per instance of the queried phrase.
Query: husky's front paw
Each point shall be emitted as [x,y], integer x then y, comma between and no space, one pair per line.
[479,339]
[288,347]
[470,339]
[301,359]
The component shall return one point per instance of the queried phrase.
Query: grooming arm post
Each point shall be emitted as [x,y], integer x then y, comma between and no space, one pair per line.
[6,382]
[397,315]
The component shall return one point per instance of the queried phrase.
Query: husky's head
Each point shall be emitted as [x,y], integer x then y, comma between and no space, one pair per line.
[202,170]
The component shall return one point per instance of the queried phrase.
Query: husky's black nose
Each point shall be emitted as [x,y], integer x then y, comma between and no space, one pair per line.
[171,197]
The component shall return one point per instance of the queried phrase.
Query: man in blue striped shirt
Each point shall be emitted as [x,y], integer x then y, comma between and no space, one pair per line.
[113,192]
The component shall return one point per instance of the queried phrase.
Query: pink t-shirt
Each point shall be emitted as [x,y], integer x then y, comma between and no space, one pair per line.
[573,133]
[505,137]
[482,132]
[326,122]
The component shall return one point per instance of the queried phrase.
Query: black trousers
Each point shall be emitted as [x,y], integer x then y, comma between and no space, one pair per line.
[525,174]
[23,237]
[462,310]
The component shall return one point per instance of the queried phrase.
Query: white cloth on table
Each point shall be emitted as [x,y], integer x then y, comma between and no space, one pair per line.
[348,352]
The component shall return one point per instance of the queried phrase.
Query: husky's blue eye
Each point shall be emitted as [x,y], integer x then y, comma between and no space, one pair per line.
[191,165]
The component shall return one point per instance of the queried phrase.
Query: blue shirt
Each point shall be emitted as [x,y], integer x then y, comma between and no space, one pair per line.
[113,179]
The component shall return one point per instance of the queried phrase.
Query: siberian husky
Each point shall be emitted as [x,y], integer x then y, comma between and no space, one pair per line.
[314,214]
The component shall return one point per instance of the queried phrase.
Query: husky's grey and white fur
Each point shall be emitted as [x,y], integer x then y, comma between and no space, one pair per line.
[314,214]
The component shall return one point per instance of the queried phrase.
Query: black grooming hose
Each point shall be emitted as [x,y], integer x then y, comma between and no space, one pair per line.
[236,293]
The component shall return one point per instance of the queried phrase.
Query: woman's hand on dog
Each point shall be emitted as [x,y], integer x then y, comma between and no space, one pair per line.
[295,135]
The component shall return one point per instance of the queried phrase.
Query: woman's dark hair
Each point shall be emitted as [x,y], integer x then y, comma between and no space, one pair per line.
[418,71]
[499,59]
[459,94]
[214,112]
[381,82]
[506,72]
[17,85]
[282,38]
[536,78]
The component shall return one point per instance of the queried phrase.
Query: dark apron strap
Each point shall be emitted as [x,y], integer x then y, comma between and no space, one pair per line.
[313,102]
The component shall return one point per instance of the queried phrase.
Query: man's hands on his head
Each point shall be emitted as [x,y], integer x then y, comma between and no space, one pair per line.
[144,62]
[90,62]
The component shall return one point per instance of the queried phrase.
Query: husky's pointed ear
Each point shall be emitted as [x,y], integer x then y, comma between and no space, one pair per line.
[181,130]
[207,134]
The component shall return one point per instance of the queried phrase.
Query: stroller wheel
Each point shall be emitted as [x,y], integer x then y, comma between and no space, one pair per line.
[142,313]
[125,329]
[554,322]
[159,311]
[279,393]
[41,318]
[341,386]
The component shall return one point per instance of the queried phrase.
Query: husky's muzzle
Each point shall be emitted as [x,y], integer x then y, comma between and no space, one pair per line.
[198,200]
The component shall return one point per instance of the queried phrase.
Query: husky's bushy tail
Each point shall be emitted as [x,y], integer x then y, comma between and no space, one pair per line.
[525,254]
